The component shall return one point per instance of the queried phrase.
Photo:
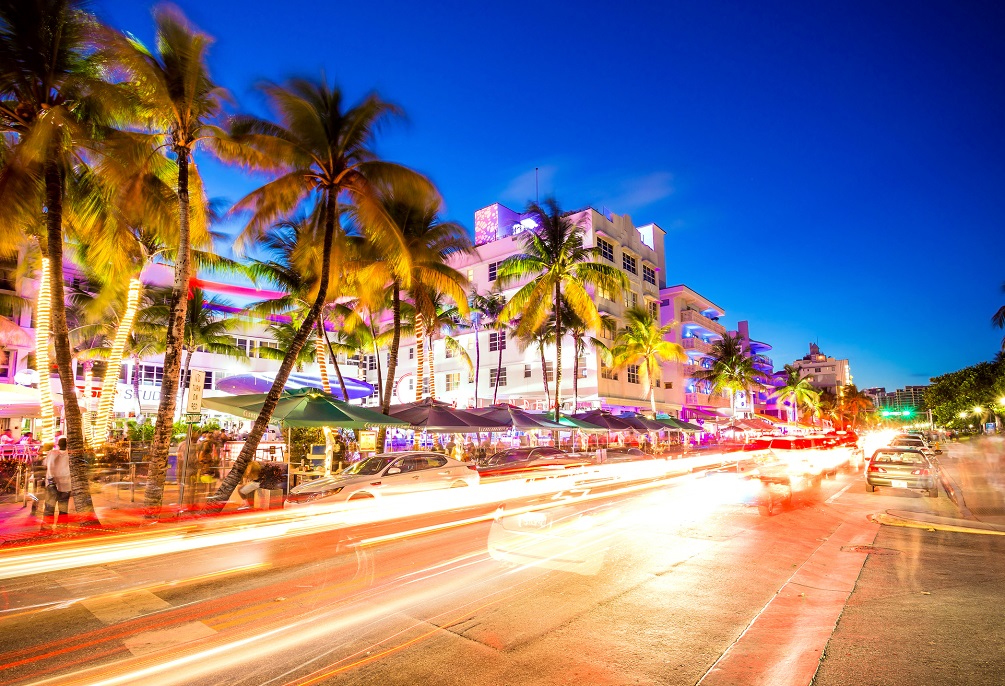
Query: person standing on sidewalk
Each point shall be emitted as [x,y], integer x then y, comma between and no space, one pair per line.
[57,485]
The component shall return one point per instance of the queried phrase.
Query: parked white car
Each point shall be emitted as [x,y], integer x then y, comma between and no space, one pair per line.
[386,474]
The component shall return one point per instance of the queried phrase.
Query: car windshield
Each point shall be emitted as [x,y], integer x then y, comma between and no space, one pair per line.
[373,465]
[899,457]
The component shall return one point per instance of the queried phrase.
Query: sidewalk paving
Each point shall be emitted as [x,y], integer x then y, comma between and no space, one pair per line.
[117,506]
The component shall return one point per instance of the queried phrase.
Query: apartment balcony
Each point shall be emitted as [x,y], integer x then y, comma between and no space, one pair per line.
[690,370]
[697,345]
[697,318]
[703,400]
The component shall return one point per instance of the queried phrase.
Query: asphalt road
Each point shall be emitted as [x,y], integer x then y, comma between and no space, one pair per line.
[673,583]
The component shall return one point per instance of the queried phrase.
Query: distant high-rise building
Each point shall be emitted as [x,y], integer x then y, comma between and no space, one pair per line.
[826,373]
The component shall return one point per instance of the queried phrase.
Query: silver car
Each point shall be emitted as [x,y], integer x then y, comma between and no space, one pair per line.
[902,468]
[386,474]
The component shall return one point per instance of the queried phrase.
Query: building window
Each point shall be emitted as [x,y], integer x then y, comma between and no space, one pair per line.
[606,249]
[493,270]
[453,381]
[654,310]
[151,374]
[497,341]
[582,368]
[608,373]
[631,299]
[633,373]
[609,330]
[648,274]
[526,371]
[411,353]
[629,263]
[207,384]
[549,370]
[8,362]
[448,351]
[411,384]
[605,293]
[494,379]
[471,275]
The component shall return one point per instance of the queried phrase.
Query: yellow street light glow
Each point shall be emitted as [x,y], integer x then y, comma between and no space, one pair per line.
[42,327]
[978,409]
[963,415]
[111,380]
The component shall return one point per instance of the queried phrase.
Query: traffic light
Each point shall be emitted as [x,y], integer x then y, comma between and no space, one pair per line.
[896,413]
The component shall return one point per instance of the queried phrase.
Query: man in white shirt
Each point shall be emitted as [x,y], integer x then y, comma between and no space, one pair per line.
[57,480]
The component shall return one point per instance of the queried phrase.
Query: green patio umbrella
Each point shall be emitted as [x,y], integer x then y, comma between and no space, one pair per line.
[573,423]
[304,407]
[679,424]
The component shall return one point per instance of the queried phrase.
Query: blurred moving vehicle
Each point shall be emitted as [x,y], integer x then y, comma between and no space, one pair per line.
[386,474]
[520,460]
[901,467]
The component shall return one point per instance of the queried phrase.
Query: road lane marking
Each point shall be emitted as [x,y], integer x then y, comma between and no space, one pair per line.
[839,493]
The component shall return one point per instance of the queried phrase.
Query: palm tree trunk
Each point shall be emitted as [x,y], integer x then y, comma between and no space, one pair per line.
[136,385]
[575,375]
[174,340]
[319,355]
[558,354]
[233,478]
[499,349]
[544,375]
[478,368]
[111,380]
[43,313]
[338,370]
[80,484]
[420,357]
[376,354]
[392,359]
[86,413]
[432,370]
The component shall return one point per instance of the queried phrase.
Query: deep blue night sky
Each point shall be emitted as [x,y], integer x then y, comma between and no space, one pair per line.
[831,173]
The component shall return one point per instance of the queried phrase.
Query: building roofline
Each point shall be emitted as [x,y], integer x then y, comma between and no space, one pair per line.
[683,288]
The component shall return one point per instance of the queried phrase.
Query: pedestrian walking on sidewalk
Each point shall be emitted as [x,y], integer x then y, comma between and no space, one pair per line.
[57,485]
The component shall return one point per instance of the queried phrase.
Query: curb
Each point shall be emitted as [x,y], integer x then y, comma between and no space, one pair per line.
[894,520]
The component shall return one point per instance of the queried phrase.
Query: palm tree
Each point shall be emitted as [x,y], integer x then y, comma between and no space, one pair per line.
[998,318]
[485,311]
[856,403]
[732,369]
[559,267]
[318,151]
[427,243]
[540,337]
[581,341]
[54,104]
[797,390]
[642,341]
[181,104]
[206,329]
[445,319]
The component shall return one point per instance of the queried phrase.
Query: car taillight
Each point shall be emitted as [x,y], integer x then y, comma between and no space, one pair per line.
[920,472]
[874,468]
[472,467]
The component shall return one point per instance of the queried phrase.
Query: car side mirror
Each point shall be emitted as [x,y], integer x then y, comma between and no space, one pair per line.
[392,470]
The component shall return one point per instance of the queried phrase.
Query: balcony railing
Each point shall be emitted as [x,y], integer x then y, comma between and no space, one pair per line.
[703,400]
[695,317]
[690,370]
[697,344]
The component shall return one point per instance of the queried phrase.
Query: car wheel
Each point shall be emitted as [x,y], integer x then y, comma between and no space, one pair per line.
[458,484]
[869,488]
[933,492]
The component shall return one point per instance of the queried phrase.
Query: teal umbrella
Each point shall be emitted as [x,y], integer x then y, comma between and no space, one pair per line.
[304,407]
[679,424]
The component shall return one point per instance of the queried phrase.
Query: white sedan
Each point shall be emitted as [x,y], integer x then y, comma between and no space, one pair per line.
[386,474]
